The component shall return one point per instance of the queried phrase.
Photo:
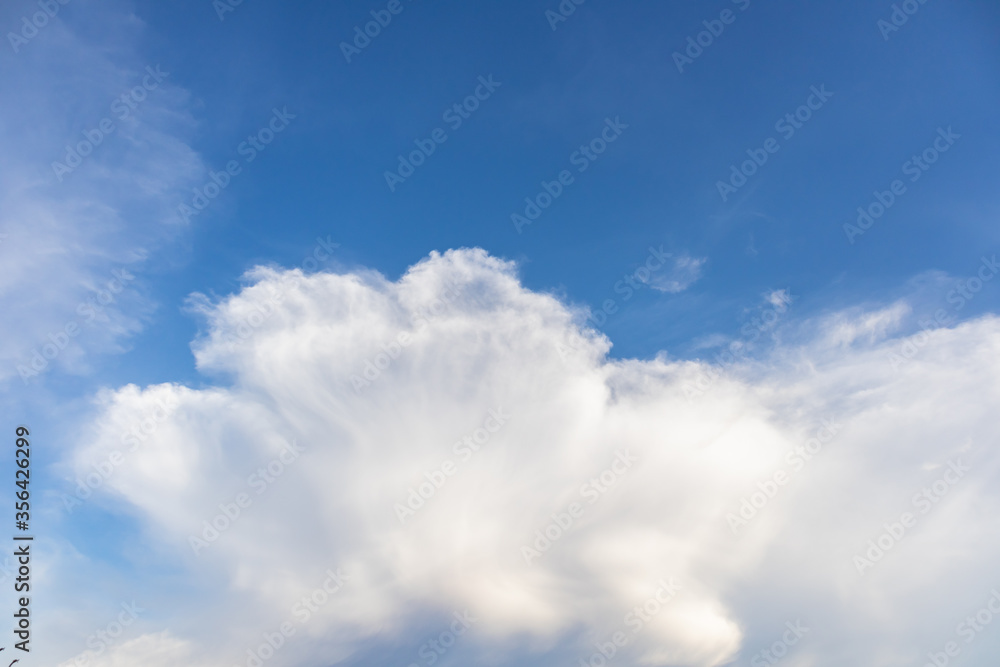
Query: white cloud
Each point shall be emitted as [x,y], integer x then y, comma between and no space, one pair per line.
[845,328]
[685,271]
[66,235]
[151,650]
[498,345]
[779,298]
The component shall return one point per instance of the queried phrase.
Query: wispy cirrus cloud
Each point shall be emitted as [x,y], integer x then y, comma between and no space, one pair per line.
[97,153]
[684,272]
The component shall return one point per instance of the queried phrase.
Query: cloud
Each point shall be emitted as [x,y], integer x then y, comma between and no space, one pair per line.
[685,271]
[150,650]
[69,232]
[847,327]
[553,494]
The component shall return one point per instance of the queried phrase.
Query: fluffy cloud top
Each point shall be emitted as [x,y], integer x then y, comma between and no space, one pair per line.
[399,452]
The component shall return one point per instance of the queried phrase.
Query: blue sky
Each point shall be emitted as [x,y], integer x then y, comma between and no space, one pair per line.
[869,100]
[783,230]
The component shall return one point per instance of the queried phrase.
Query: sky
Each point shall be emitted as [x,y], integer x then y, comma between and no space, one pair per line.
[515,332]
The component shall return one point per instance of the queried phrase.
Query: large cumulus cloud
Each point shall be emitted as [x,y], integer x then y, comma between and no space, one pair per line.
[422,437]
